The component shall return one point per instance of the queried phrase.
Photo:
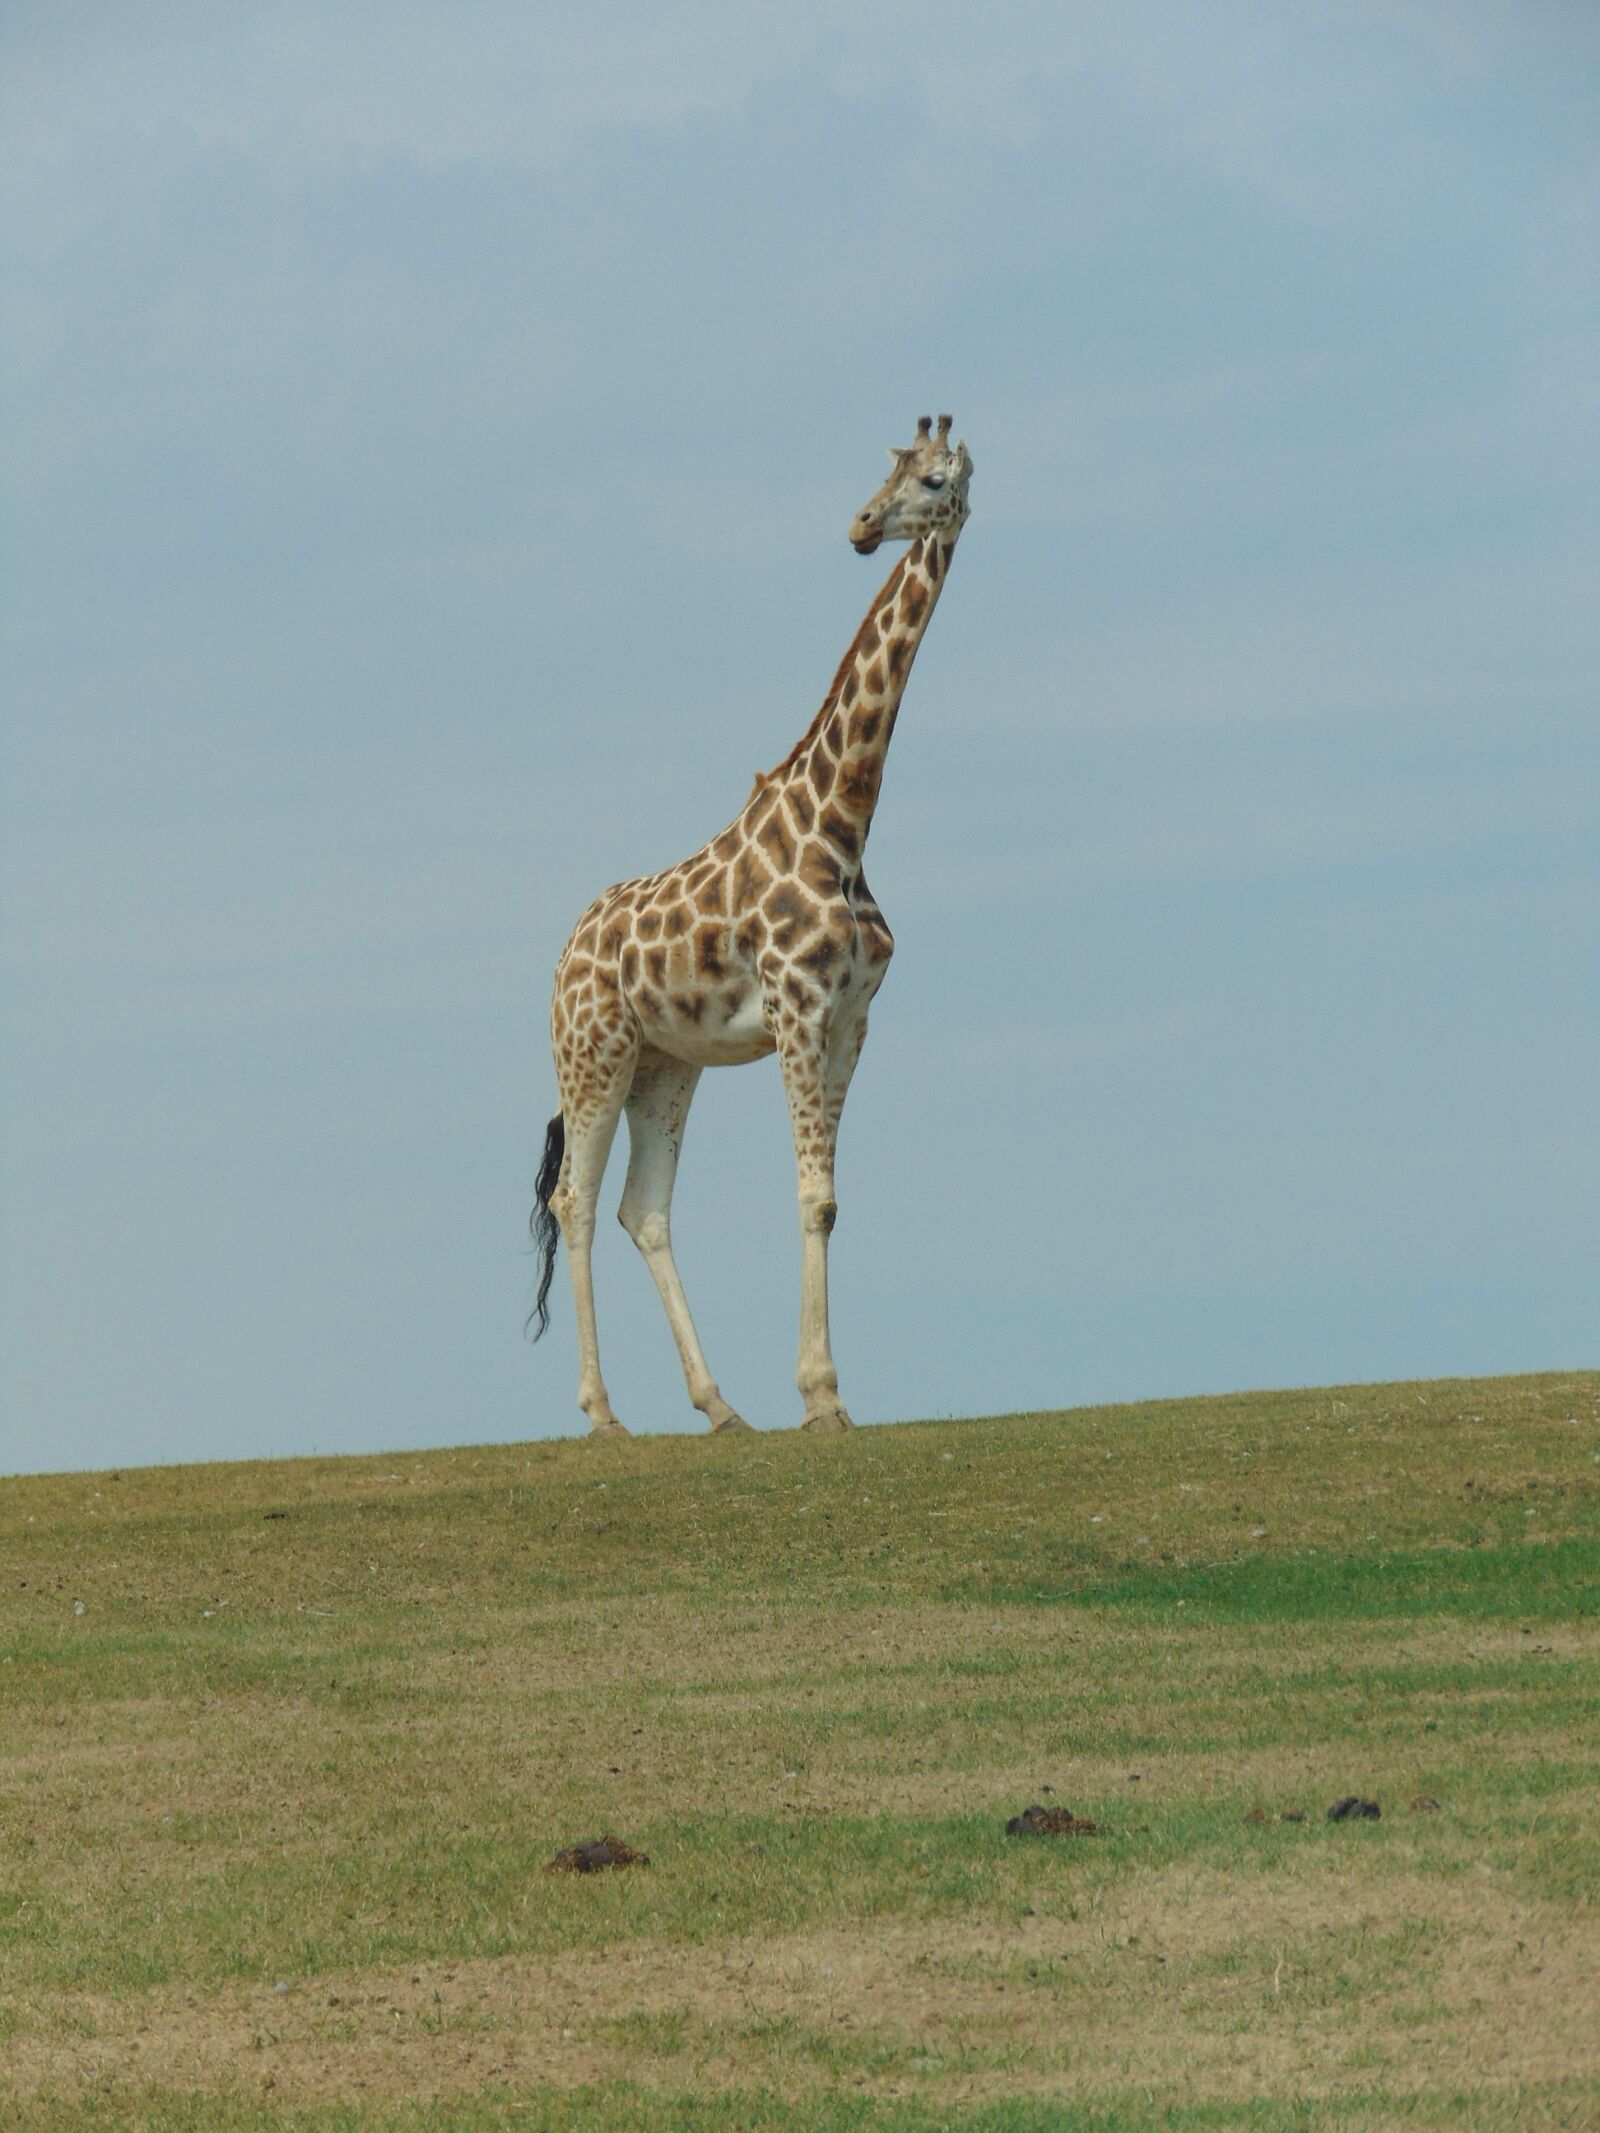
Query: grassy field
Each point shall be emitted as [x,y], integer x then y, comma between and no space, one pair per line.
[286,1748]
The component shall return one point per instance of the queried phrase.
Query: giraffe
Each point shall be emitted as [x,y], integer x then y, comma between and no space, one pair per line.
[765,940]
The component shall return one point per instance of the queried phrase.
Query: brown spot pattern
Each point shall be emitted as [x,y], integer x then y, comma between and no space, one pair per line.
[820,872]
[841,830]
[772,911]
[858,784]
[776,842]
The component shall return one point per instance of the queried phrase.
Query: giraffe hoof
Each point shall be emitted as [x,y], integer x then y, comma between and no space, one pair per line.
[613,1428]
[828,1422]
[733,1425]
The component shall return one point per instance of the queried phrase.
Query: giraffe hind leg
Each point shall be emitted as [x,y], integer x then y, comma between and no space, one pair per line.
[658,1108]
[591,1116]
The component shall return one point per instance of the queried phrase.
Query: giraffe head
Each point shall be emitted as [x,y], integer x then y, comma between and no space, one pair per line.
[926,493]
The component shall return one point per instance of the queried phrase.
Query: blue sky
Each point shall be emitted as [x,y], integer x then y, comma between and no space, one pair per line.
[430,433]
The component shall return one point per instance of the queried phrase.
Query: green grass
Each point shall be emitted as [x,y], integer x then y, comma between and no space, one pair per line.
[624,2108]
[275,1804]
[1552,1581]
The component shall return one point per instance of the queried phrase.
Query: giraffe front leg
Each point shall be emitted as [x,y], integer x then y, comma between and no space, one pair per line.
[817,1377]
[803,1055]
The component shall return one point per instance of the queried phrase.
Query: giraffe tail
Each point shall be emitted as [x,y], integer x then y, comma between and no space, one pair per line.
[543,1227]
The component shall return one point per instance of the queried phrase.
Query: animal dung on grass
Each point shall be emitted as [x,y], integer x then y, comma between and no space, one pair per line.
[1037,1821]
[1352,1808]
[595,1856]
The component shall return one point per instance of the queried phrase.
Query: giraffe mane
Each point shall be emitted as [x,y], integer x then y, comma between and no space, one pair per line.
[782,769]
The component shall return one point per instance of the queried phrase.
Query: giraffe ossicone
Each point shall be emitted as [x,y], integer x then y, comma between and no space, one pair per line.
[765,940]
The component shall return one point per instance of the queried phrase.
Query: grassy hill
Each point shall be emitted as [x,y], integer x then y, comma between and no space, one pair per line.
[286,1748]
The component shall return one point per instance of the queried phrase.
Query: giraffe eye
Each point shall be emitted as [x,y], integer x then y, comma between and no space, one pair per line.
[932,481]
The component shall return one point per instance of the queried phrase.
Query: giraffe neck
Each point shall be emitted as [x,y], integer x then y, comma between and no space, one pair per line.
[834,770]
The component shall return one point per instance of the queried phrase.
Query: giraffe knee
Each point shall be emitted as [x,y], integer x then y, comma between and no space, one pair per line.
[818,1211]
[576,1218]
[650,1231]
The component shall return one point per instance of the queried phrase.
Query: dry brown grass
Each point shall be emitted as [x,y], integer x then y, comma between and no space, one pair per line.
[349,1774]
[1182,1979]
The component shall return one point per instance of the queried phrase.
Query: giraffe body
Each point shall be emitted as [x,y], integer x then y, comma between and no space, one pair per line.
[765,940]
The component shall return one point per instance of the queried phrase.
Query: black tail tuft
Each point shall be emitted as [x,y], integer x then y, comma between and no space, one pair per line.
[543,1227]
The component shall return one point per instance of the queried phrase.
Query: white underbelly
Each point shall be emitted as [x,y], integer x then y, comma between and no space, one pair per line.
[700,1050]
[718,1036]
